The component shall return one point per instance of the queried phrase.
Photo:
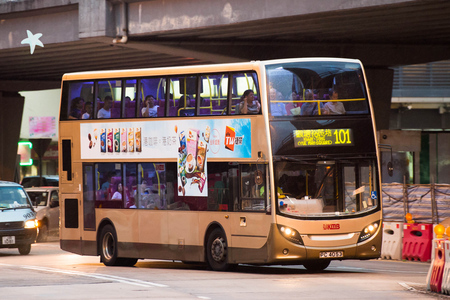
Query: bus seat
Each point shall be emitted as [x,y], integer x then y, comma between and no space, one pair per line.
[131,110]
[173,111]
[160,111]
[205,111]
[115,112]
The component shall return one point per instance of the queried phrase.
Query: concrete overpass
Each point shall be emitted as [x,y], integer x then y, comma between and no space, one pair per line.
[82,35]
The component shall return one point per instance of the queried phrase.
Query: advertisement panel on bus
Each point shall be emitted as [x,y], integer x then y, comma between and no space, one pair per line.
[192,142]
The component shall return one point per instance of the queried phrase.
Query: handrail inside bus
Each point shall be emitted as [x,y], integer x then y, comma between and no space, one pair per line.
[159,182]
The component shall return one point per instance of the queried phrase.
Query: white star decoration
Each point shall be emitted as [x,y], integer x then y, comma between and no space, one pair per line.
[32,40]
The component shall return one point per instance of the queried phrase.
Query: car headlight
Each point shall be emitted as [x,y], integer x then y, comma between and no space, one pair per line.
[290,234]
[368,231]
[31,224]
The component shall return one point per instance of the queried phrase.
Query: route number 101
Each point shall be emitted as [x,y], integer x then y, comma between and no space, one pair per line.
[342,136]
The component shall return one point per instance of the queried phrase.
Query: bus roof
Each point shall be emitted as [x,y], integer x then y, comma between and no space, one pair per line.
[244,66]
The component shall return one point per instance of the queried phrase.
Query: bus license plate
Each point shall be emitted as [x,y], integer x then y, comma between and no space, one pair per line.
[331,254]
[9,240]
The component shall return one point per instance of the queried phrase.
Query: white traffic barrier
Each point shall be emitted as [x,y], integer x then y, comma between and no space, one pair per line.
[392,240]
[446,275]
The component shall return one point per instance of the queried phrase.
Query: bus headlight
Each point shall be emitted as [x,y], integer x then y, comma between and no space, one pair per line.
[368,231]
[31,224]
[290,234]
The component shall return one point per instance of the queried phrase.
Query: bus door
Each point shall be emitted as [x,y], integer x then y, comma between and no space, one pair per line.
[70,232]
[251,224]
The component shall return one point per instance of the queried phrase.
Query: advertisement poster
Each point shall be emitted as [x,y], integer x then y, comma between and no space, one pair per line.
[192,166]
[191,142]
[42,127]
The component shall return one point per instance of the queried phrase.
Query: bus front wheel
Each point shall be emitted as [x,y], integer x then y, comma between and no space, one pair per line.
[217,251]
[316,265]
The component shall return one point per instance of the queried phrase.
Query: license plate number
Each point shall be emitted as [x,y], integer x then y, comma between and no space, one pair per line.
[8,240]
[331,254]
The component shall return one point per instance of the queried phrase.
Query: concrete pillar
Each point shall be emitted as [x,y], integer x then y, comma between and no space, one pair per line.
[380,86]
[11,110]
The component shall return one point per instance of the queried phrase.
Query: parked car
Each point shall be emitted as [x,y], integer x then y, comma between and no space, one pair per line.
[46,203]
[47,180]
[18,224]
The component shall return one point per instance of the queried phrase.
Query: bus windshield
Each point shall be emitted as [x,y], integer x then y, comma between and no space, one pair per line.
[314,188]
[316,88]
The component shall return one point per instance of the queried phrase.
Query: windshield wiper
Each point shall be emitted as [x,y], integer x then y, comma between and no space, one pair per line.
[15,207]
[293,159]
[278,158]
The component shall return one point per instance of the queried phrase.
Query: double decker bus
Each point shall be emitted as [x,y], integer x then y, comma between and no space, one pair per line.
[162,164]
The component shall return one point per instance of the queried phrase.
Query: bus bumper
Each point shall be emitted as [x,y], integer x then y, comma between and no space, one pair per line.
[283,251]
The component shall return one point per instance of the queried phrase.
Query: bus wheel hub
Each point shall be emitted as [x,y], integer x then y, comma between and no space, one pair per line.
[218,249]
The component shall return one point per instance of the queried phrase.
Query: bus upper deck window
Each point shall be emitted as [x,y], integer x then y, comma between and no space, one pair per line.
[75,95]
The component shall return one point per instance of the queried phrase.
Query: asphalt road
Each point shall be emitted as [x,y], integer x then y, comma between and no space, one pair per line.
[50,273]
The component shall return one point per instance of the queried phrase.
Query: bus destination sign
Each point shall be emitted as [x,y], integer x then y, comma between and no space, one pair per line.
[323,137]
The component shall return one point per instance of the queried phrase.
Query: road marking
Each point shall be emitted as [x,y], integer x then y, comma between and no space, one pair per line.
[373,270]
[406,286]
[424,291]
[124,280]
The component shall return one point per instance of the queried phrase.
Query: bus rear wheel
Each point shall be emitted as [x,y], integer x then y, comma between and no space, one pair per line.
[108,246]
[108,249]
[217,251]
[316,265]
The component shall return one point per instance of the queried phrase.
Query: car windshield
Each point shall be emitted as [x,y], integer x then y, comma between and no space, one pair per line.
[38,198]
[325,188]
[13,197]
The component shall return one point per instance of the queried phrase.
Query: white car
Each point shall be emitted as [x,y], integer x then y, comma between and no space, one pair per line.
[46,203]
[17,218]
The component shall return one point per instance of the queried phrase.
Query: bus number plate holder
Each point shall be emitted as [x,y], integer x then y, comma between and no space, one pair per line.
[331,254]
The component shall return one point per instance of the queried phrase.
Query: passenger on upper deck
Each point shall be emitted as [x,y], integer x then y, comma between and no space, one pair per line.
[105,111]
[309,108]
[334,107]
[248,104]
[88,113]
[276,108]
[294,107]
[182,104]
[75,108]
[149,108]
